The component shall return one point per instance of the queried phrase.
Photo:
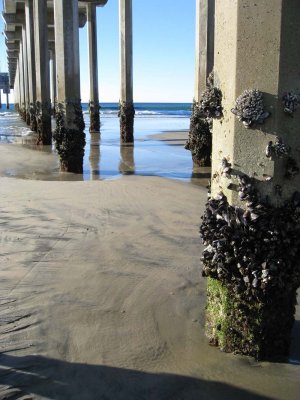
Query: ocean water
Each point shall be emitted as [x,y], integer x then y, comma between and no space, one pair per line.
[104,157]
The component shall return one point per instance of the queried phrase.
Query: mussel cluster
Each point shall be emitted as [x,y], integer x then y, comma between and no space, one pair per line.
[291,101]
[200,138]
[255,251]
[126,115]
[278,149]
[226,168]
[210,102]
[203,112]
[249,108]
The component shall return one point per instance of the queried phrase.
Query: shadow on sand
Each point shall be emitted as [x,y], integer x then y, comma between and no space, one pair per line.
[56,379]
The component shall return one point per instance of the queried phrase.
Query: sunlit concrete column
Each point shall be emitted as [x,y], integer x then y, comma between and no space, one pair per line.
[16,89]
[43,111]
[31,62]
[251,225]
[199,142]
[25,66]
[93,68]
[22,110]
[69,134]
[53,79]
[205,21]
[126,95]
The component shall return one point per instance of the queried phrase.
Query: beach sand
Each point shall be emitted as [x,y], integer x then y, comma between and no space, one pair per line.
[102,296]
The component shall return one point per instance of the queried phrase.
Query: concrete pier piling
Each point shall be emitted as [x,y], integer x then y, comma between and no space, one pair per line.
[94,107]
[69,133]
[42,105]
[251,225]
[26,75]
[200,136]
[204,63]
[22,83]
[126,112]
[52,78]
[31,62]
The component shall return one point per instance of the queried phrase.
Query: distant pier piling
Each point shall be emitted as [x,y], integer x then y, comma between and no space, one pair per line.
[94,107]
[126,112]
[42,104]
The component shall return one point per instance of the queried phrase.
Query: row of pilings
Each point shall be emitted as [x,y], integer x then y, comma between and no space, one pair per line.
[43,59]
[251,224]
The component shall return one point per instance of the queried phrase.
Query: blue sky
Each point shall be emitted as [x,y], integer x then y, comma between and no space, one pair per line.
[163,51]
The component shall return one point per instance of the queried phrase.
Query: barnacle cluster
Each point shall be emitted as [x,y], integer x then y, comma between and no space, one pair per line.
[43,122]
[200,138]
[249,108]
[245,248]
[291,101]
[210,102]
[226,168]
[33,125]
[94,109]
[70,142]
[278,149]
[203,112]
[245,254]
[126,115]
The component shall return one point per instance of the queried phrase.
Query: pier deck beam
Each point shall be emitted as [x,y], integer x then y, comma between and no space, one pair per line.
[94,107]
[251,229]
[69,133]
[126,96]
[43,112]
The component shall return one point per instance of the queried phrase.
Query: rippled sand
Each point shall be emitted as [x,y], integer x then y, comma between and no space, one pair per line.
[101,293]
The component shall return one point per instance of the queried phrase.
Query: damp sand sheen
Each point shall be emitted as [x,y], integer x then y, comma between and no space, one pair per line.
[101,289]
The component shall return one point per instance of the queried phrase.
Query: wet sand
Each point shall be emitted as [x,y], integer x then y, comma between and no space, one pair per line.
[102,297]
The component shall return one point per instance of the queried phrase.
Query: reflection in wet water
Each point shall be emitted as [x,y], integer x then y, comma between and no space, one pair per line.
[104,157]
[94,156]
[126,165]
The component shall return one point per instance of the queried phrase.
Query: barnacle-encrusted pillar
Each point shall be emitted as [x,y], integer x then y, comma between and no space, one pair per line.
[69,133]
[93,66]
[251,226]
[31,62]
[199,142]
[42,106]
[126,113]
